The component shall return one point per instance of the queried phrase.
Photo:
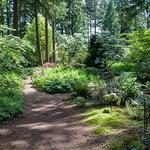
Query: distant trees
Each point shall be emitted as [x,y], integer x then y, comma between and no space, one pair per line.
[16,17]
[89,17]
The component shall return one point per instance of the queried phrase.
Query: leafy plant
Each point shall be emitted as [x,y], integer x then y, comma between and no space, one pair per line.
[140,52]
[104,50]
[14,53]
[63,79]
[71,50]
[126,142]
[11,96]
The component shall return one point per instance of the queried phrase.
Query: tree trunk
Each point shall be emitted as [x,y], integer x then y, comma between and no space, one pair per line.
[2,20]
[95,17]
[8,17]
[46,39]
[40,62]
[15,17]
[54,40]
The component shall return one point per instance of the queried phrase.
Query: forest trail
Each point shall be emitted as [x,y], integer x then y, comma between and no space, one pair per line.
[47,124]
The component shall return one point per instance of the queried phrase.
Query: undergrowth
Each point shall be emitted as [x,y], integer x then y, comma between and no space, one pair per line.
[11,96]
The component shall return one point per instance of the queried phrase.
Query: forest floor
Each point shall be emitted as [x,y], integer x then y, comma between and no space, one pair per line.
[47,124]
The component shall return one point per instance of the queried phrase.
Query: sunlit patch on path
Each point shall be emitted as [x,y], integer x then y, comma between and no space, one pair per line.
[47,124]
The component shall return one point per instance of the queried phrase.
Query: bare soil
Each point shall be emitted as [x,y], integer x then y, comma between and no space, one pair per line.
[47,124]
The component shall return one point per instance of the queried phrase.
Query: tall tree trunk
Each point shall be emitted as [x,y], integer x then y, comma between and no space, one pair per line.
[148,16]
[46,39]
[90,27]
[8,16]
[40,61]
[95,17]
[2,19]
[54,40]
[62,28]
[15,17]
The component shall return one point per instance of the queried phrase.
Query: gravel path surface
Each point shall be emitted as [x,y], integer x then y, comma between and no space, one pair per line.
[47,124]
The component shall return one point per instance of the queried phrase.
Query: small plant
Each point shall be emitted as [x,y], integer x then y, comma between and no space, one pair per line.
[134,112]
[126,142]
[80,101]
[81,87]
[106,111]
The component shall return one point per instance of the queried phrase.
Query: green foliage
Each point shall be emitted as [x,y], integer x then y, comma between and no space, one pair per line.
[81,87]
[119,90]
[79,101]
[65,80]
[14,53]
[110,20]
[31,38]
[104,50]
[27,72]
[11,96]
[126,142]
[140,52]
[121,67]
[107,120]
[106,111]
[71,50]
[129,85]
[134,112]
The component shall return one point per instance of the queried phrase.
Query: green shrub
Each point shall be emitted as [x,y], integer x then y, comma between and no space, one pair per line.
[120,67]
[14,53]
[26,72]
[129,87]
[126,142]
[81,87]
[80,101]
[104,49]
[134,112]
[140,52]
[57,86]
[106,111]
[64,80]
[11,96]
[72,50]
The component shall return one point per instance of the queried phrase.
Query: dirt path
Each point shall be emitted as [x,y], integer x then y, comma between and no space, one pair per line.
[47,124]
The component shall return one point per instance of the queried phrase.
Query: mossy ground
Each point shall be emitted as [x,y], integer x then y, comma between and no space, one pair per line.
[108,121]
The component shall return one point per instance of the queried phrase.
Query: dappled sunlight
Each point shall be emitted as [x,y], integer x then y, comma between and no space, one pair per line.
[20,143]
[4,131]
[47,123]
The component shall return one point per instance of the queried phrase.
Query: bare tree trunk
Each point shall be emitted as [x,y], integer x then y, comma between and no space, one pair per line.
[2,19]
[40,61]
[54,41]
[8,16]
[46,39]
[15,17]
[95,17]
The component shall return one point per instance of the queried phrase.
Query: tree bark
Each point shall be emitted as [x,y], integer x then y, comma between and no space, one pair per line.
[2,20]
[46,39]
[40,61]
[54,40]
[15,17]
[8,17]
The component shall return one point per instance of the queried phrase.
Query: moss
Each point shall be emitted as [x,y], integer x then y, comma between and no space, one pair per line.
[108,122]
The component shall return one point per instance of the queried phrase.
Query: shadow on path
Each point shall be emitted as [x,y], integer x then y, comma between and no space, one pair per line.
[47,124]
